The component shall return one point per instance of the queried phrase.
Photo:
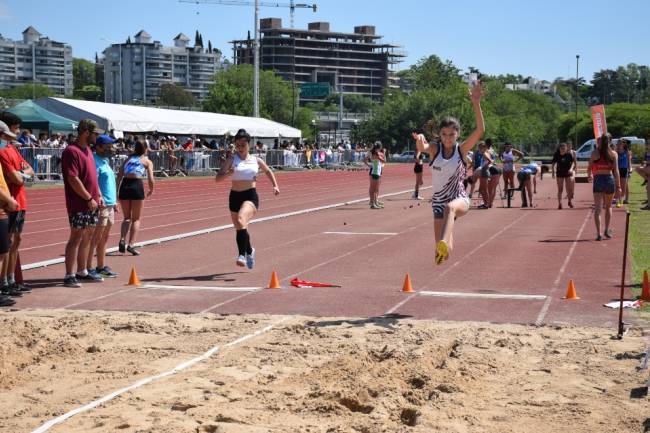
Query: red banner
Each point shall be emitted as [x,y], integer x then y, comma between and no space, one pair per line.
[598,118]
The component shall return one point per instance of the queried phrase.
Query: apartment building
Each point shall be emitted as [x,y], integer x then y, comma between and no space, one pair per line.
[36,59]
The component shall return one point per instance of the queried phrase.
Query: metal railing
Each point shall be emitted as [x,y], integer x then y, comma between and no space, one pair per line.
[47,162]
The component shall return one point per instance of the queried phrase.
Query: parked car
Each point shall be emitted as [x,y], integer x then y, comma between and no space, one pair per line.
[584,151]
[408,156]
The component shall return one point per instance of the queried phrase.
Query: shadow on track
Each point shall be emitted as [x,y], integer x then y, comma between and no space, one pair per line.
[211,277]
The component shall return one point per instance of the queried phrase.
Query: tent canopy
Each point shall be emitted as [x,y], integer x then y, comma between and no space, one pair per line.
[34,116]
[136,119]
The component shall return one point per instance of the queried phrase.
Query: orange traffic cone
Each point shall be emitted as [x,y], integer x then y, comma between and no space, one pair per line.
[645,293]
[571,292]
[407,287]
[133,279]
[274,283]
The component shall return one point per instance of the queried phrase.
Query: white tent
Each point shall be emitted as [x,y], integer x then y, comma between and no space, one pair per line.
[136,119]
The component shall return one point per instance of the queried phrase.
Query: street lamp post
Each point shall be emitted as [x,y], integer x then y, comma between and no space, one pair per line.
[256,63]
[313,125]
[576,117]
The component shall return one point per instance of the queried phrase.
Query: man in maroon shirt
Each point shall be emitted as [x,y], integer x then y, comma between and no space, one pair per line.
[82,200]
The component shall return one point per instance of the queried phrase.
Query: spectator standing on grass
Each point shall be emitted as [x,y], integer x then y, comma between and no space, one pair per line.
[563,170]
[16,170]
[624,164]
[82,199]
[7,205]
[131,194]
[644,172]
[108,189]
[603,171]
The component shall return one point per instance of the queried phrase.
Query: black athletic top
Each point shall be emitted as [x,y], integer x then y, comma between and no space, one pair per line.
[564,163]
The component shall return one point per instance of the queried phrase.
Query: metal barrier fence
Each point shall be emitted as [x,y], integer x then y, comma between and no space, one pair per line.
[47,162]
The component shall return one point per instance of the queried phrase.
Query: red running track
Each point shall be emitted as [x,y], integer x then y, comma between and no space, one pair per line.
[526,253]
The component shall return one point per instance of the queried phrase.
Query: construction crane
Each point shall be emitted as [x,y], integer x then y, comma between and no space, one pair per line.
[292,5]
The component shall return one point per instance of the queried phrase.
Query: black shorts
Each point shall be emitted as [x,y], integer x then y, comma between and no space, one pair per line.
[495,170]
[131,189]
[85,219]
[237,198]
[623,172]
[4,235]
[417,168]
[523,176]
[16,221]
[374,176]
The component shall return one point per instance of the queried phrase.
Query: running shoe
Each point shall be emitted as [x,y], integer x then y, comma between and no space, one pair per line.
[71,281]
[250,259]
[483,206]
[559,206]
[106,272]
[442,252]
[241,261]
[608,234]
[374,206]
[570,204]
[91,275]
[599,238]
[8,290]
[20,287]
[380,203]
[133,251]
[121,247]
[625,201]
[6,301]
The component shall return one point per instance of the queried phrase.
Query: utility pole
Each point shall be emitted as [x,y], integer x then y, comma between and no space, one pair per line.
[575,144]
[256,63]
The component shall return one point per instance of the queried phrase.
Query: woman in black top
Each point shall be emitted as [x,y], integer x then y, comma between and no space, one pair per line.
[563,169]
[417,169]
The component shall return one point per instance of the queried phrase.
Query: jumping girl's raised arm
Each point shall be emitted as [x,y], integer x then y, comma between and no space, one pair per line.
[476,135]
[224,170]
[269,173]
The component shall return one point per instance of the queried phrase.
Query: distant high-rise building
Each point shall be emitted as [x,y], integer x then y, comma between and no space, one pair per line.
[36,59]
[354,63]
[134,71]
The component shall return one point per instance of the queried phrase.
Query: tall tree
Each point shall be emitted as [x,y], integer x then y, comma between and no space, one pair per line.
[176,96]
[83,73]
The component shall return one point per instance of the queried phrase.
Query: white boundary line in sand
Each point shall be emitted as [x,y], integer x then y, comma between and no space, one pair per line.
[58,420]
[482,295]
[459,261]
[179,236]
[360,233]
[542,313]
[213,288]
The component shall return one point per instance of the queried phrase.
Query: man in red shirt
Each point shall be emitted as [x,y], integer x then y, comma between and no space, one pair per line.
[16,170]
[82,200]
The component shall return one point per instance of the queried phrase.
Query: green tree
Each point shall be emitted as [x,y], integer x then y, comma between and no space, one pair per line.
[89,93]
[83,73]
[176,96]
[28,91]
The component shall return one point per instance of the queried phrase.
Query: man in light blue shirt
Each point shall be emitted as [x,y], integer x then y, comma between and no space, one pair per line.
[108,189]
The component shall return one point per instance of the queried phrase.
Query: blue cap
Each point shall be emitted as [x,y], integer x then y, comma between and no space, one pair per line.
[105,139]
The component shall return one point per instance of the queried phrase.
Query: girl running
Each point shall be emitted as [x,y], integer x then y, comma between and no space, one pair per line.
[131,193]
[624,159]
[509,157]
[603,171]
[244,201]
[375,160]
[417,169]
[448,172]
[564,162]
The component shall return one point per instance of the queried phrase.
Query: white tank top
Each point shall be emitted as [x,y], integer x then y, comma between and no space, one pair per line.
[508,159]
[447,176]
[245,169]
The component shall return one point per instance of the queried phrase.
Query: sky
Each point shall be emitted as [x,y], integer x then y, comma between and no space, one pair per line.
[539,39]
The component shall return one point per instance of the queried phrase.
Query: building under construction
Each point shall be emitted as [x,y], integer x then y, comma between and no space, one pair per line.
[353,63]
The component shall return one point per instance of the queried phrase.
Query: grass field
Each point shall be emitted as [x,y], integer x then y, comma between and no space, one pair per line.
[639,236]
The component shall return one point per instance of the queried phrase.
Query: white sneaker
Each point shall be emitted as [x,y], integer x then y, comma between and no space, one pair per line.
[250,259]
[241,261]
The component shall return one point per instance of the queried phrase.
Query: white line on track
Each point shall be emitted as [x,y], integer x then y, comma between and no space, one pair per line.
[58,420]
[482,295]
[542,313]
[359,233]
[76,304]
[214,229]
[213,288]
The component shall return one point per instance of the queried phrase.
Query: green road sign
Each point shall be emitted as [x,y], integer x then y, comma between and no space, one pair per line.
[314,90]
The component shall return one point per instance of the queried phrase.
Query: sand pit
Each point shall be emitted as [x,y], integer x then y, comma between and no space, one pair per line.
[315,375]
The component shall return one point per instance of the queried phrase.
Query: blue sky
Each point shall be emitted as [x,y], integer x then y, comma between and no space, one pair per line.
[499,36]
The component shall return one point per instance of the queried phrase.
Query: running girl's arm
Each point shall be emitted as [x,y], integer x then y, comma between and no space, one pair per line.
[476,135]
[269,173]
[224,170]
[150,178]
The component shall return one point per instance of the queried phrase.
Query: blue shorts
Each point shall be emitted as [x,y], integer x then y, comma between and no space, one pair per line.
[604,183]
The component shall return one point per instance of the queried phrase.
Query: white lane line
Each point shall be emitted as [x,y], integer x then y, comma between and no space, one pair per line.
[359,233]
[179,236]
[58,420]
[462,259]
[482,295]
[542,313]
[76,304]
[213,288]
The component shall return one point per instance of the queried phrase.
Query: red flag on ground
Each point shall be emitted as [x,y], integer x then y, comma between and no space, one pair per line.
[309,284]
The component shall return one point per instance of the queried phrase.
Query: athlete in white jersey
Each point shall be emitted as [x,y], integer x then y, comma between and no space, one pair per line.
[448,172]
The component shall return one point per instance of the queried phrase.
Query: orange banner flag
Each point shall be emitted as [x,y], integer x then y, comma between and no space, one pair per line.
[598,118]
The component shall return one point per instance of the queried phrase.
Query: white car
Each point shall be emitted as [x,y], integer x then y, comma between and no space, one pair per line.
[408,156]
[584,151]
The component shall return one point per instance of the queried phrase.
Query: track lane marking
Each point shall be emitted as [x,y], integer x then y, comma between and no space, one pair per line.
[481,295]
[213,288]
